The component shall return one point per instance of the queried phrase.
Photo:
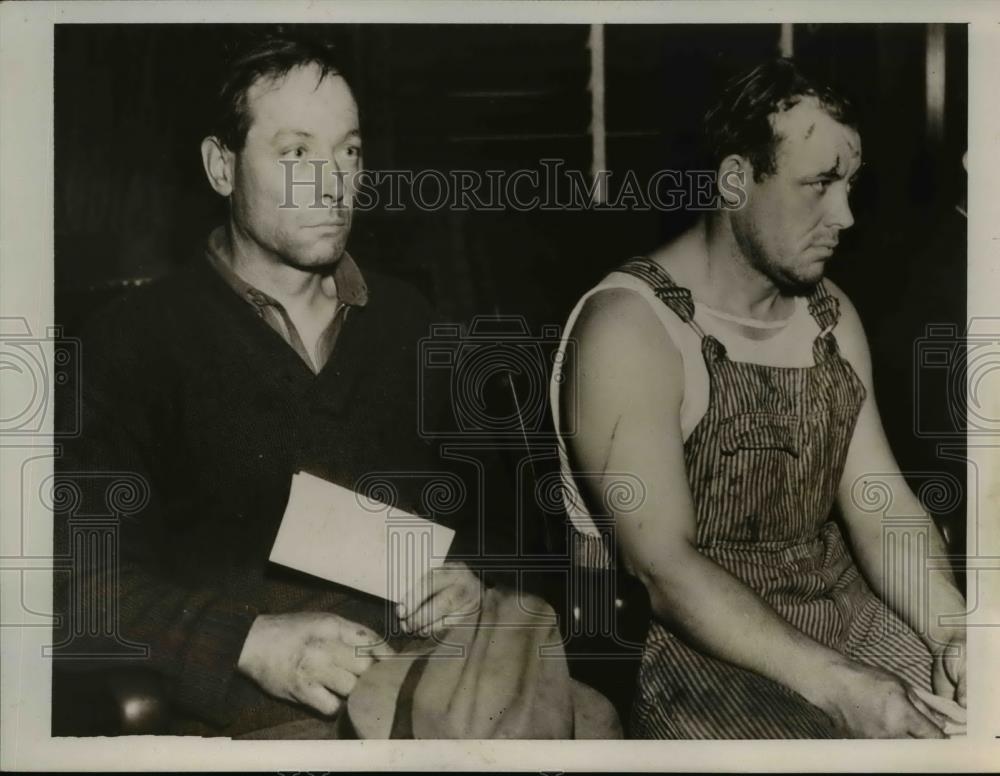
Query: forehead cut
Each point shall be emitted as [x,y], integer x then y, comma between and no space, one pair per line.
[810,136]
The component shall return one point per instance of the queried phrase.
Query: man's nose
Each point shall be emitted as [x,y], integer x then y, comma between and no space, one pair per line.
[333,186]
[840,214]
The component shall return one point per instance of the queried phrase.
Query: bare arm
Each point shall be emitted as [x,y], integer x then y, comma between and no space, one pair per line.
[628,382]
[870,459]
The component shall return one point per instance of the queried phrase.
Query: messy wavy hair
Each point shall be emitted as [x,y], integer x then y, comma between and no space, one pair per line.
[741,122]
[264,54]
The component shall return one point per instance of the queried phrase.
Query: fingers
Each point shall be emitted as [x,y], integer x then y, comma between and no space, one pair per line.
[951,710]
[377,651]
[958,675]
[351,658]
[335,627]
[365,641]
[960,689]
[320,698]
[421,590]
[354,644]
[456,600]
[338,680]
[948,678]
[940,681]
[428,586]
[329,669]
[920,726]
[939,719]
[416,621]
[462,596]
[924,728]
[309,657]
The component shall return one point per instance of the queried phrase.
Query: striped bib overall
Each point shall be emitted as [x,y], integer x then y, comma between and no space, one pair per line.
[764,464]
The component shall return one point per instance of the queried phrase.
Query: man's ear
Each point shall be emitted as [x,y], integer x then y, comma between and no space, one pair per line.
[218,162]
[733,176]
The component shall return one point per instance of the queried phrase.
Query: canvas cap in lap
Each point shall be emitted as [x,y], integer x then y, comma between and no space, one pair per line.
[498,673]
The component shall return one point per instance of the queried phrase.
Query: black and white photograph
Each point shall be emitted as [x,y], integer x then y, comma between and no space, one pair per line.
[573,377]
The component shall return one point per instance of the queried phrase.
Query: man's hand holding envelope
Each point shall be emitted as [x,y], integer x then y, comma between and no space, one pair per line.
[315,658]
[443,592]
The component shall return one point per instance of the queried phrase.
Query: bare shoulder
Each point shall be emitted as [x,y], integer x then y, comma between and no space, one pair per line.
[624,361]
[850,331]
[620,323]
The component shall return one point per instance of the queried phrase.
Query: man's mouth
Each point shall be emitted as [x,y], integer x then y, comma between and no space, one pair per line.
[330,223]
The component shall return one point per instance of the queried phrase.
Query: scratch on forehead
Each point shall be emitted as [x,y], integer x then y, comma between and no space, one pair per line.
[854,144]
[834,169]
[838,170]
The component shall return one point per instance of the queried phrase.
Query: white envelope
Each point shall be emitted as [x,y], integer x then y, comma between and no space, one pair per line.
[337,534]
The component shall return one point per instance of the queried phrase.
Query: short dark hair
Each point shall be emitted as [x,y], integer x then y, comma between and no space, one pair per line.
[740,122]
[271,54]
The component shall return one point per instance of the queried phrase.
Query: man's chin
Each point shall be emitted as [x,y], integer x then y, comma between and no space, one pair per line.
[799,285]
[317,261]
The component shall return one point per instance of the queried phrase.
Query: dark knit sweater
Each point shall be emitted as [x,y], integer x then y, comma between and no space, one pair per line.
[185,387]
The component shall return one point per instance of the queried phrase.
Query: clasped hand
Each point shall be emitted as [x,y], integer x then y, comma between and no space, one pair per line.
[312,658]
[949,668]
[315,658]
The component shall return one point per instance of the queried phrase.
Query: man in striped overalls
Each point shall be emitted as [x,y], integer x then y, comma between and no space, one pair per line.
[735,382]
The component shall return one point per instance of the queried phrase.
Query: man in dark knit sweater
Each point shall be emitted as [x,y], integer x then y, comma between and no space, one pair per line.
[272,353]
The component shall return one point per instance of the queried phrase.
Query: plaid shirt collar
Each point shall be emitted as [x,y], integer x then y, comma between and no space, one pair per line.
[350,288]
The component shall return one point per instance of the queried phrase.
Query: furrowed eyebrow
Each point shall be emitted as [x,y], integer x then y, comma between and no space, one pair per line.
[833,173]
[825,175]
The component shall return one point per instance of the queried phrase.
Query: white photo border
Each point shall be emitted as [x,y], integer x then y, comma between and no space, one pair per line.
[26,285]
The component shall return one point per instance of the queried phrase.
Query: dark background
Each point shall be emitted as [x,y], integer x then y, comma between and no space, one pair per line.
[131,200]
